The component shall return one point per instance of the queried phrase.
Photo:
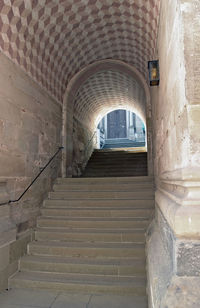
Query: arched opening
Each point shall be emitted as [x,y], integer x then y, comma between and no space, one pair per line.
[101,87]
[121,128]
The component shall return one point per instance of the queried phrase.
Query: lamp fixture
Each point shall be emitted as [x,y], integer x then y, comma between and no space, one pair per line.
[153,67]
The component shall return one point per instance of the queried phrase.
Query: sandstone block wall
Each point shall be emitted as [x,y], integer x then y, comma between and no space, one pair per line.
[83,146]
[169,103]
[30,133]
[175,232]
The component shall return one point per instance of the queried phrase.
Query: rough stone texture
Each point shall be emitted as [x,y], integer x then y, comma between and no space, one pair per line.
[30,134]
[160,247]
[7,227]
[6,273]
[169,103]
[83,144]
[9,257]
[19,247]
[4,197]
[191,18]
[182,292]
[188,258]
[176,142]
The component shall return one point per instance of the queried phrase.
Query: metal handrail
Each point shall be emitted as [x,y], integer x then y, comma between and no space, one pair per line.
[37,176]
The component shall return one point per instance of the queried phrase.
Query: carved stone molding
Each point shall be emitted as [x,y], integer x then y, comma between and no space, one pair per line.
[179,201]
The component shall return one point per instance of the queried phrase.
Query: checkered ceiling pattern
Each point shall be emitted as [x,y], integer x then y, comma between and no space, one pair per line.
[111,89]
[53,39]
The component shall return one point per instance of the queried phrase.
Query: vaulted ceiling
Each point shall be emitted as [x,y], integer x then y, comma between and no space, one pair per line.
[111,89]
[53,39]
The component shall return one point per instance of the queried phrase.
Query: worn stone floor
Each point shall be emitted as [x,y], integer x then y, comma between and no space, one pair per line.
[24,298]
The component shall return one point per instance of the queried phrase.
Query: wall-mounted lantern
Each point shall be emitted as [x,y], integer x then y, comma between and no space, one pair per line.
[153,67]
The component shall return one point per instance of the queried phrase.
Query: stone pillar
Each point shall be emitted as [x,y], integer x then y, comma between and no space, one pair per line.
[173,238]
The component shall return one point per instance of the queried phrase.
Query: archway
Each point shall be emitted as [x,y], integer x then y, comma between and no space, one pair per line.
[99,88]
[121,128]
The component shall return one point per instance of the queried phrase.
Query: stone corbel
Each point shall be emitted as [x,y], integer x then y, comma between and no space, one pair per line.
[179,201]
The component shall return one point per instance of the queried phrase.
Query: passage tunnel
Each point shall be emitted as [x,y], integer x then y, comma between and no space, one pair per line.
[98,89]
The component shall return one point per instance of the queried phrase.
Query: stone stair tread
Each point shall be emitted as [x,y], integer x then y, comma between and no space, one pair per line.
[96,208]
[94,218]
[99,172]
[119,152]
[87,245]
[139,213]
[103,174]
[65,196]
[80,278]
[93,222]
[91,235]
[82,260]
[141,203]
[142,179]
[97,188]
[88,218]
[85,230]
[150,198]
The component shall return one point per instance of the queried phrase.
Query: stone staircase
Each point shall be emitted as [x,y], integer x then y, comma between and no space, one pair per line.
[90,237]
[122,143]
[112,163]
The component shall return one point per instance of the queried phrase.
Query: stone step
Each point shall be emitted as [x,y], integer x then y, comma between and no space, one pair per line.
[111,180]
[97,235]
[117,173]
[117,166]
[104,187]
[97,212]
[118,140]
[127,267]
[122,155]
[116,169]
[90,250]
[121,152]
[92,222]
[111,162]
[114,159]
[146,194]
[142,204]
[79,283]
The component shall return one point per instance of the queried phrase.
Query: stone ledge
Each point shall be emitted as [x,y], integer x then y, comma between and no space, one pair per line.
[179,202]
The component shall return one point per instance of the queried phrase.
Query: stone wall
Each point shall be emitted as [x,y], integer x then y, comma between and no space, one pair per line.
[30,133]
[169,103]
[174,237]
[84,141]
